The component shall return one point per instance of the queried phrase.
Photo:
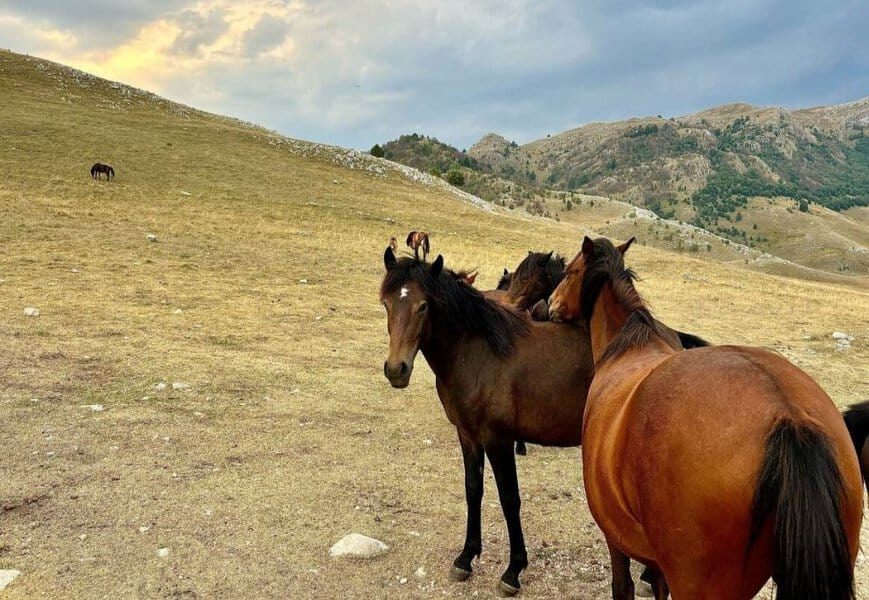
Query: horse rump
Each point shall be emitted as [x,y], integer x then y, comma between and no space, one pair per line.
[801,486]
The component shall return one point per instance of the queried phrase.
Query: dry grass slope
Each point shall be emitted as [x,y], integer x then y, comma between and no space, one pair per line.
[289,436]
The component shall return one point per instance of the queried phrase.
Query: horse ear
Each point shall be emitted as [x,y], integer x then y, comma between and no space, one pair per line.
[470,278]
[437,266]
[389,258]
[624,247]
[587,247]
[506,272]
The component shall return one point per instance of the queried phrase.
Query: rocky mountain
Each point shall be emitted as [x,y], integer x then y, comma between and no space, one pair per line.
[703,167]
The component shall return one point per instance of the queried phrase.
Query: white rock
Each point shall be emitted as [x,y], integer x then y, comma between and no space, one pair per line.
[839,335]
[7,576]
[183,193]
[31,312]
[180,385]
[143,529]
[420,572]
[177,311]
[160,386]
[403,580]
[358,545]
[151,237]
[83,537]
[94,407]
[163,552]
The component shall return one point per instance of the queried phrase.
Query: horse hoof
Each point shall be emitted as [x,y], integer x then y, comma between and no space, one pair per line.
[459,574]
[505,590]
[644,590]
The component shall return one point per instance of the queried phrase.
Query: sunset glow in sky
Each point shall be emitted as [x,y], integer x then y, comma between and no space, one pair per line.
[356,73]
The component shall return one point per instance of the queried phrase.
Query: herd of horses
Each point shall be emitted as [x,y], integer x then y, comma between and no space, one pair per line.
[715,466]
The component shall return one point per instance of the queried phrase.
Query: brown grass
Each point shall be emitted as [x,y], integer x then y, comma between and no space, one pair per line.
[289,437]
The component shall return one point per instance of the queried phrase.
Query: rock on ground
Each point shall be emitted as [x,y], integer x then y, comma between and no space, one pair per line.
[358,545]
[7,576]
[31,312]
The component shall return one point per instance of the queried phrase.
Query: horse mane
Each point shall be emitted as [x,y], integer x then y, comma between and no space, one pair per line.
[608,265]
[553,268]
[458,308]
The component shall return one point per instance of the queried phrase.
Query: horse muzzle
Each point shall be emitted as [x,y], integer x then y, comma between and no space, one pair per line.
[398,373]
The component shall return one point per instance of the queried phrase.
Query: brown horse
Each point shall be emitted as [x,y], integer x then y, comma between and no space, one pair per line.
[417,240]
[718,467]
[393,243]
[101,168]
[499,376]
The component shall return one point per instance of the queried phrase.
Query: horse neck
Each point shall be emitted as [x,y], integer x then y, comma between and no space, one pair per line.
[445,352]
[607,319]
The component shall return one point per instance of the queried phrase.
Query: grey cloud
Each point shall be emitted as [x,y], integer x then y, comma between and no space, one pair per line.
[268,33]
[198,30]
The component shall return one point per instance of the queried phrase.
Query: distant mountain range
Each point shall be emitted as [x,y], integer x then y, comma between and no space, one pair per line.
[699,168]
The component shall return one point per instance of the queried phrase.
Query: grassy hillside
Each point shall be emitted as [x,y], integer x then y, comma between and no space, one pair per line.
[259,299]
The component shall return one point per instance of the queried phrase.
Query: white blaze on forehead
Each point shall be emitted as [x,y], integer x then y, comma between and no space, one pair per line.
[404,292]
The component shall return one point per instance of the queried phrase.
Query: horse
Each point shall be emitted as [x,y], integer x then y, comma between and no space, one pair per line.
[504,282]
[393,243]
[718,467]
[499,376]
[857,421]
[101,168]
[417,240]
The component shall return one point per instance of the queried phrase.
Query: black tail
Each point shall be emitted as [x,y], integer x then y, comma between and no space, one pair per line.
[801,487]
[691,341]
[857,422]
[110,172]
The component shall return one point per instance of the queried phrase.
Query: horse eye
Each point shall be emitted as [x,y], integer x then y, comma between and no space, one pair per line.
[422,307]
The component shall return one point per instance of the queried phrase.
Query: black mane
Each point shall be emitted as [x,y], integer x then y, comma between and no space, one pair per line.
[457,307]
[552,268]
[607,265]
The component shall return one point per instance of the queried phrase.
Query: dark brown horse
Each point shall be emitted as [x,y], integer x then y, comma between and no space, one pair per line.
[504,282]
[500,378]
[718,467]
[417,240]
[101,168]
[857,422]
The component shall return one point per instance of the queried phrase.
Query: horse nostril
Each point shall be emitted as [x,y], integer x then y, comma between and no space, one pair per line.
[386,368]
[404,369]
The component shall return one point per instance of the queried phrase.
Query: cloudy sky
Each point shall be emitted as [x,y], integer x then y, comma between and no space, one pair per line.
[358,72]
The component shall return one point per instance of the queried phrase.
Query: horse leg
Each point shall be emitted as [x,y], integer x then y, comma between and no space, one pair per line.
[474,459]
[659,584]
[503,463]
[622,583]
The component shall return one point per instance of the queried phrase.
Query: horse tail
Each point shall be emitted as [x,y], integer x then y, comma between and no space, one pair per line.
[691,341]
[425,245]
[801,485]
[857,422]
[410,237]
[111,172]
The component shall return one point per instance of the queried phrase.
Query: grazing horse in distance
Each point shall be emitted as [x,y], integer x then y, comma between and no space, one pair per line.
[718,467]
[417,240]
[393,243]
[101,168]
